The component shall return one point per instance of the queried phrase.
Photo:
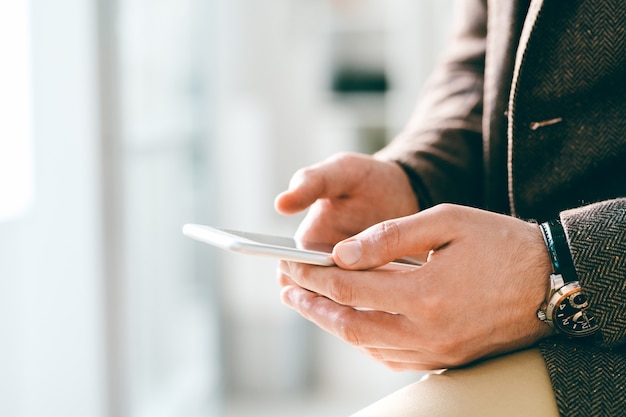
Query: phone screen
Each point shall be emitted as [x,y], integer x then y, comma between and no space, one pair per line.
[280,247]
[281,241]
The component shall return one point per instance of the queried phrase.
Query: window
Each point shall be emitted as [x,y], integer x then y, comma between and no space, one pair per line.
[161,302]
[16,154]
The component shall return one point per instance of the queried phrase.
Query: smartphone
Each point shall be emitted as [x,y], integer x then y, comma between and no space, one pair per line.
[279,247]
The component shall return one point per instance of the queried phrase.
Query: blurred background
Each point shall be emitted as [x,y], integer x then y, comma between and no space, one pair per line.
[121,120]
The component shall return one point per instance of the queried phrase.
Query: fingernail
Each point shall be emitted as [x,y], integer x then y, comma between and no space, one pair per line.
[349,252]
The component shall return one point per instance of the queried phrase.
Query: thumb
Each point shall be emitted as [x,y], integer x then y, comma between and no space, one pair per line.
[389,241]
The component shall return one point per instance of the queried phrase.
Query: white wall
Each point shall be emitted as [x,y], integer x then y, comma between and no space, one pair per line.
[50,280]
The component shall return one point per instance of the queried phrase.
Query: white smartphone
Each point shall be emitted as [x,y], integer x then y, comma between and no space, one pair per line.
[279,247]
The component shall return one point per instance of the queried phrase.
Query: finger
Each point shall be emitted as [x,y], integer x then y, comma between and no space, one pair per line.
[358,328]
[332,178]
[316,226]
[397,238]
[409,366]
[381,290]
[403,359]
[283,275]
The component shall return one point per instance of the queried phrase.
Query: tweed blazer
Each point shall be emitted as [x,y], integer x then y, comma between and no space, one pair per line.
[525,114]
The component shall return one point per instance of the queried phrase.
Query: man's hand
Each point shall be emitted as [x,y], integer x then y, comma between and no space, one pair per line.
[486,276]
[346,194]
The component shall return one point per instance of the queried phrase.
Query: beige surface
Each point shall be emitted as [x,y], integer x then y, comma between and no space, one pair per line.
[512,385]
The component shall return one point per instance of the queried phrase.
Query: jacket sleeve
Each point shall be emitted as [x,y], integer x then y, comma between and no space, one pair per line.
[597,237]
[440,149]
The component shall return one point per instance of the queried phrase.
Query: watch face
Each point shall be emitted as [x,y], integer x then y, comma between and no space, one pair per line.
[571,313]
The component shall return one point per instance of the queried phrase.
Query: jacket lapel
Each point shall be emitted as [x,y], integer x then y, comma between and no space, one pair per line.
[505,21]
[528,27]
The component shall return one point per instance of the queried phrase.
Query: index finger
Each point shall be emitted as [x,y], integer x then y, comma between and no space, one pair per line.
[366,329]
[332,178]
[382,290]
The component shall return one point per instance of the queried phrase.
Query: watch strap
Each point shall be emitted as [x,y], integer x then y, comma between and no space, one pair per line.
[558,248]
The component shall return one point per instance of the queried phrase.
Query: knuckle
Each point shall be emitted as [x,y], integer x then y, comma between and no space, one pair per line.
[345,328]
[303,174]
[343,157]
[283,280]
[431,308]
[390,236]
[431,303]
[349,163]
[449,351]
[300,273]
[445,209]
[340,291]
[444,348]
[451,213]
[375,354]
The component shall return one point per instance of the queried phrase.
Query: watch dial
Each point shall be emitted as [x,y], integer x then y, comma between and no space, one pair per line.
[572,316]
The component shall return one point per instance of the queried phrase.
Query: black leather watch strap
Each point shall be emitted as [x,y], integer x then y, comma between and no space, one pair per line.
[556,242]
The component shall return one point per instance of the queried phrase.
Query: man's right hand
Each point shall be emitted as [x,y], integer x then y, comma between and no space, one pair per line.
[346,194]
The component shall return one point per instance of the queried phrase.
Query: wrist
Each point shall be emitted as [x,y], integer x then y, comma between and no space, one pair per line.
[542,270]
[403,188]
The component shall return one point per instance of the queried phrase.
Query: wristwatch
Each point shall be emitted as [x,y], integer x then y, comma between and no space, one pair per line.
[567,308]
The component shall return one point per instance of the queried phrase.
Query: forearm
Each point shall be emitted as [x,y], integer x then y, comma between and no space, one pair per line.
[441,146]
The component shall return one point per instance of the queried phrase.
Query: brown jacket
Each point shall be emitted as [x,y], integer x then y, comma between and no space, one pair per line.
[526,114]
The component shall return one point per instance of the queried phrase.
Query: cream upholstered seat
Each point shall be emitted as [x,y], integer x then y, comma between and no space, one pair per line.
[512,385]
